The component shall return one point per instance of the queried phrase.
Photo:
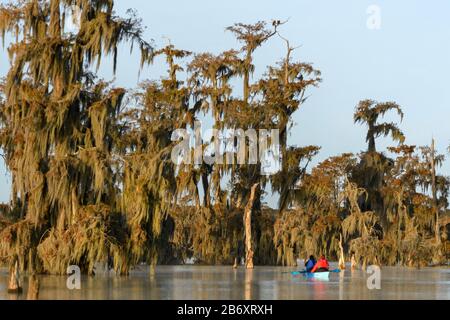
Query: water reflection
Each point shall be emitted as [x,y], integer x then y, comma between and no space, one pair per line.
[341,285]
[200,283]
[248,284]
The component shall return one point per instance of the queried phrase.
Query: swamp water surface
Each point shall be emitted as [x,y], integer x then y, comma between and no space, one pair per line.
[224,283]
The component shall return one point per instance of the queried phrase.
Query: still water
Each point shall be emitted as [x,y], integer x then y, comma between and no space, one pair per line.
[196,282]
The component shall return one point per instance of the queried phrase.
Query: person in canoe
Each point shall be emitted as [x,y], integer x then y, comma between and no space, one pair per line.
[310,264]
[321,266]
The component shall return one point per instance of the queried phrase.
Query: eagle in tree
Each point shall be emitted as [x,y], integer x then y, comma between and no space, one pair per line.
[276,23]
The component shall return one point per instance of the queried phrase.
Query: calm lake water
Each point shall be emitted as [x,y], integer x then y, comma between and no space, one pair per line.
[196,282]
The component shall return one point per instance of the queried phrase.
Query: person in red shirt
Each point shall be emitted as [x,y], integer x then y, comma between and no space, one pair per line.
[321,266]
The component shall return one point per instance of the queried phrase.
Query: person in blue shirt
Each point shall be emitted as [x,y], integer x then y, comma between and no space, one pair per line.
[310,264]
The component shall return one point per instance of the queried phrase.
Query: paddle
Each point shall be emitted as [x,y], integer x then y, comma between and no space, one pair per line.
[336,271]
[296,273]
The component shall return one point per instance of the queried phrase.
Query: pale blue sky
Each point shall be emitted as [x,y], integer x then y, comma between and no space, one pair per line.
[407,60]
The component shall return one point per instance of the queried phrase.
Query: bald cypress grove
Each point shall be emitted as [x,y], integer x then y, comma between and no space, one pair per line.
[93,178]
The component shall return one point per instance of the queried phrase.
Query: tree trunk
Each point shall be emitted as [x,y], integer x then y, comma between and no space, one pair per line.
[434,191]
[235,266]
[249,250]
[372,146]
[438,256]
[206,195]
[246,87]
[74,199]
[341,255]
[14,278]
[354,263]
